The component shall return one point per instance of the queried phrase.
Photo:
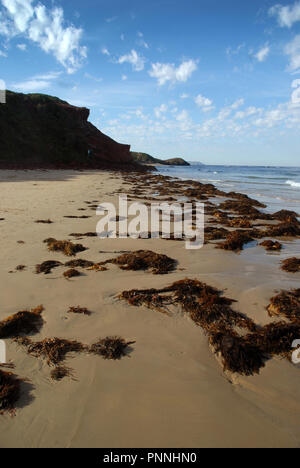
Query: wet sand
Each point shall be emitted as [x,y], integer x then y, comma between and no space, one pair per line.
[170,391]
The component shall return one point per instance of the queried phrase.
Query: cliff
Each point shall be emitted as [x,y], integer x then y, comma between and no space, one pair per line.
[40,131]
[144,158]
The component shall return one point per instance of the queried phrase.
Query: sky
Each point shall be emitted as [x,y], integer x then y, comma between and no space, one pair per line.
[216,81]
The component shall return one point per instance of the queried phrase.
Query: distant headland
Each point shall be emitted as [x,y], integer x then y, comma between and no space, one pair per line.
[144,158]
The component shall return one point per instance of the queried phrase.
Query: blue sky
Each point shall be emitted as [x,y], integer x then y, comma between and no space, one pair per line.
[216,81]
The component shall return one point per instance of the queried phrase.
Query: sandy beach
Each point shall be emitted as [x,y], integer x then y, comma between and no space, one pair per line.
[170,390]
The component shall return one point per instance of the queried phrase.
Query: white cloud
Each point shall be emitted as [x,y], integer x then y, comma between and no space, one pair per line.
[202,101]
[286,15]
[105,51]
[141,42]
[124,77]
[296,83]
[136,60]
[238,103]
[247,113]
[293,50]
[160,110]
[184,96]
[46,28]
[37,82]
[31,85]
[230,51]
[262,54]
[295,98]
[21,12]
[22,47]
[3,54]
[112,19]
[94,78]
[165,72]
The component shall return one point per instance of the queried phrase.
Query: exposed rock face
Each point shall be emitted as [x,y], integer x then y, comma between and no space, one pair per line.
[37,130]
[144,158]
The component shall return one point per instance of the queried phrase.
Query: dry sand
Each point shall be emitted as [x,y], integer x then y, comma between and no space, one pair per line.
[170,391]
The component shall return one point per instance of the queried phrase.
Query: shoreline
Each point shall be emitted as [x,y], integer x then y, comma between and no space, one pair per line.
[172,391]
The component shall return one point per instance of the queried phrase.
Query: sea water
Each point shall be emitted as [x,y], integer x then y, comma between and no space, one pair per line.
[277,187]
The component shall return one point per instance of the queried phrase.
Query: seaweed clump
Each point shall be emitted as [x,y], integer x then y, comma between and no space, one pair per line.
[235,241]
[292,265]
[72,273]
[144,260]
[275,338]
[47,267]
[271,246]
[60,372]
[67,248]
[44,221]
[287,228]
[205,305]
[54,350]
[111,347]
[79,263]
[79,310]
[237,354]
[243,223]
[286,304]
[23,322]
[9,391]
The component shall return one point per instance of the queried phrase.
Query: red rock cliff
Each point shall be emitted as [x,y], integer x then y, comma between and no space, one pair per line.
[42,131]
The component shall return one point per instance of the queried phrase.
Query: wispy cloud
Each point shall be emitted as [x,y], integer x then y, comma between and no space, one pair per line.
[262,54]
[111,19]
[105,51]
[292,49]
[136,60]
[286,15]
[165,72]
[36,83]
[203,102]
[46,28]
[22,47]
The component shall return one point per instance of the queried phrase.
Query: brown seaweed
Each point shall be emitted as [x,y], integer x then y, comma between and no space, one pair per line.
[79,310]
[10,390]
[205,305]
[271,245]
[111,347]
[286,304]
[235,241]
[23,322]
[292,265]
[72,273]
[144,260]
[289,228]
[67,248]
[44,221]
[237,354]
[60,372]
[79,263]
[47,267]
[275,338]
[54,350]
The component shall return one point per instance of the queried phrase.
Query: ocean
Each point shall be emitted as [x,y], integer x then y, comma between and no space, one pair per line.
[277,187]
